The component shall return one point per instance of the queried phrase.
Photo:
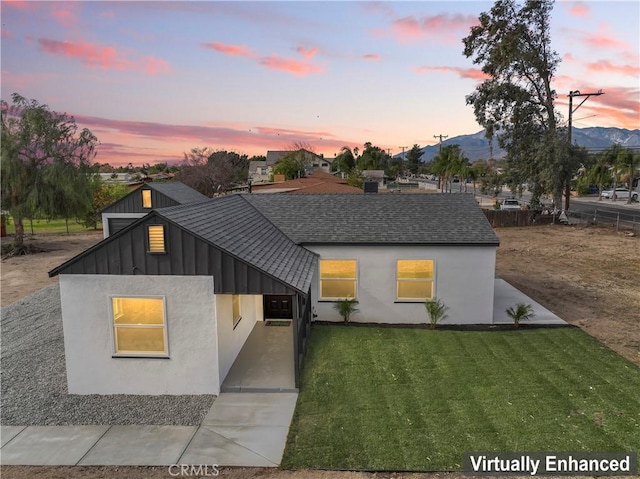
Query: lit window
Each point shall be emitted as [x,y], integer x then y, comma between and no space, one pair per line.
[415,279]
[156,239]
[237,316]
[337,279]
[139,326]
[146,198]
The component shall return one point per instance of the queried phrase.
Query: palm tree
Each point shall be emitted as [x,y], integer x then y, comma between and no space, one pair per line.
[628,161]
[346,307]
[599,174]
[520,312]
[436,310]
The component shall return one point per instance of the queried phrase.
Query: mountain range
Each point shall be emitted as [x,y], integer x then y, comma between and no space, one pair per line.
[476,146]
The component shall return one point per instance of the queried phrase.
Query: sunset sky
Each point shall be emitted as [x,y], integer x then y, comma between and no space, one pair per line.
[154,79]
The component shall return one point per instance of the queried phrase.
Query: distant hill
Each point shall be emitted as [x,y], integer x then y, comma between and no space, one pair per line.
[476,146]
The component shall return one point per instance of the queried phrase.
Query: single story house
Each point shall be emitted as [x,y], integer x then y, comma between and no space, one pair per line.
[165,305]
[142,200]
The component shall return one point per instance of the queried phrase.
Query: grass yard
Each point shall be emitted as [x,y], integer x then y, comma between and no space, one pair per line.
[49,227]
[415,399]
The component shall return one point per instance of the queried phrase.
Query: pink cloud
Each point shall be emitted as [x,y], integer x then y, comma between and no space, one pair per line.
[289,65]
[605,66]
[414,28]
[234,50]
[20,5]
[6,34]
[66,18]
[602,39]
[568,57]
[106,58]
[579,9]
[307,53]
[274,62]
[471,73]
[122,142]
[371,57]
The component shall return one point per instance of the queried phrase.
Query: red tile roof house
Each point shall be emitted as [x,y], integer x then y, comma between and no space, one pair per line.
[165,305]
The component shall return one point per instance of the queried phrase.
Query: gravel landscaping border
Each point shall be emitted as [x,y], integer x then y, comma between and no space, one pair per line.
[33,378]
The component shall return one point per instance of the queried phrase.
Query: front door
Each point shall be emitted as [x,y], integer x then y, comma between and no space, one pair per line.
[278,307]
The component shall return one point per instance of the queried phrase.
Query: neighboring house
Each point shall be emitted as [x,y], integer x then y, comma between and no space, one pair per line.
[316,182]
[142,200]
[165,305]
[377,176]
[261,171]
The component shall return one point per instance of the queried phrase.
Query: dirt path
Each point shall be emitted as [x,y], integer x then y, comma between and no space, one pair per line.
[588,276]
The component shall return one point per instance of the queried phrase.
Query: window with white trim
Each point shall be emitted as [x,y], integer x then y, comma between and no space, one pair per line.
[415,279]
[156,239]
[146,198]
[139,326]
[338,278]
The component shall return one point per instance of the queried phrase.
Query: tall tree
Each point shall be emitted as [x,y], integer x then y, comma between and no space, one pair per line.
[45,163]
[512,44]
[207,171]
[628,162]
[344,161]
[414,159]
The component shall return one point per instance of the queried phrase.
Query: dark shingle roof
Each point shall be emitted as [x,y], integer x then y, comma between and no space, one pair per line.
[235,226]
[178,191]
[435,219]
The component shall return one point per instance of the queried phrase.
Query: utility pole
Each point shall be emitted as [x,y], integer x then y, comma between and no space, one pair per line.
[441,137]
[572,110]
[403,148]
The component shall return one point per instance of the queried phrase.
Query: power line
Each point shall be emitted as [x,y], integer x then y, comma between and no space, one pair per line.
[441,136]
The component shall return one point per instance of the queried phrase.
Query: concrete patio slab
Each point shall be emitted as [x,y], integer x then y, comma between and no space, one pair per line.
[506,296]
[51,445]
[9,432]
[140,446]
[210,448]
[264,362]
[268,442]
[254,409]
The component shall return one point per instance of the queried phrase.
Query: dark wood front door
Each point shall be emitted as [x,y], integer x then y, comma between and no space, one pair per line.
[278,307]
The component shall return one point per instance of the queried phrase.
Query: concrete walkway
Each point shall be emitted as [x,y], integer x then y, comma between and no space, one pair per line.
[240,430]
[506,296]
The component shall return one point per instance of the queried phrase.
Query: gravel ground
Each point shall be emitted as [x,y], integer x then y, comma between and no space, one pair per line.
[34,384]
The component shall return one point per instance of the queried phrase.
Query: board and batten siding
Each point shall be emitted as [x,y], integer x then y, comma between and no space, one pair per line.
[187,255]
[132,203]
[464,281]
[190,311]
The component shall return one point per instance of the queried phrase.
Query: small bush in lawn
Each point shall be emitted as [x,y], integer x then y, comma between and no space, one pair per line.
[520,312]
[346,307]
[436,310]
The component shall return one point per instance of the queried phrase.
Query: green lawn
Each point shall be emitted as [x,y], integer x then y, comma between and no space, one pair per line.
[416,399]
[49,227]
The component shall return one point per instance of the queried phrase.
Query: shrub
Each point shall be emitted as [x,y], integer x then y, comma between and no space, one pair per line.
[346,307]
[436,310]
[520,312]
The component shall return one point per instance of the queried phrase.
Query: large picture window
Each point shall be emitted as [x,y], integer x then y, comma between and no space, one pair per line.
[415,279]
[139,326]
[338,278]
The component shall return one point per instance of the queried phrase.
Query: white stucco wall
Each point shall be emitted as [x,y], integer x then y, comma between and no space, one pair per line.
[231,340]
[192,366]
[464,281]
[106,216]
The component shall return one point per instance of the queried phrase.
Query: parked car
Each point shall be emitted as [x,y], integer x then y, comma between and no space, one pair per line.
[620,193]
[510,205]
